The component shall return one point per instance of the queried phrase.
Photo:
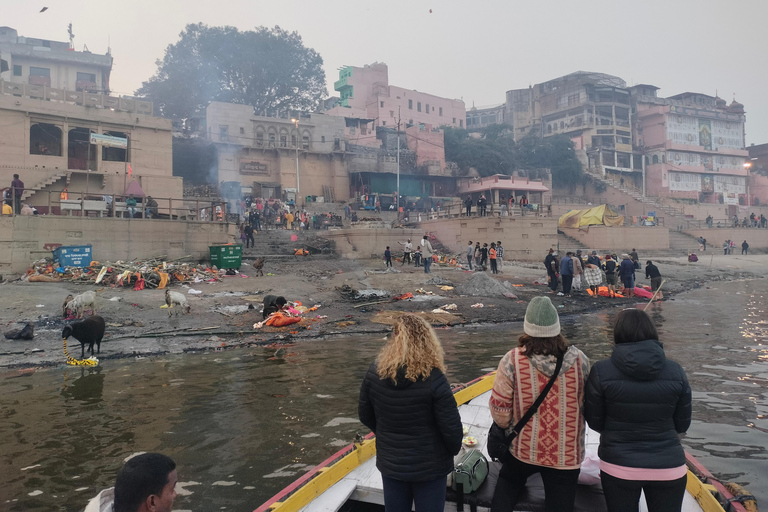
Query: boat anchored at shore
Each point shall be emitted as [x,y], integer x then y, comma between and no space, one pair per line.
[349,480]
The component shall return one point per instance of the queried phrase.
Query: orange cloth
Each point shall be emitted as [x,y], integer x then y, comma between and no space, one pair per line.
[163,280]
[492,254]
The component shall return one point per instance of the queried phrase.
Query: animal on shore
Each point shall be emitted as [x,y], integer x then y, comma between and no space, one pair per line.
[79,303]
[172,298]
[259,266]
[66,312]
[90,331]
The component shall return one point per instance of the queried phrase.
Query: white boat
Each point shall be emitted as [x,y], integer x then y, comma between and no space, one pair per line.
[349,479]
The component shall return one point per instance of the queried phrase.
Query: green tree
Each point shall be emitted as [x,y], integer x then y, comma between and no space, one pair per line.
[555,153]
[491,153]
[268,68]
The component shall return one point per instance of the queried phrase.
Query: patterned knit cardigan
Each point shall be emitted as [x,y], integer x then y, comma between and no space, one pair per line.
[554,436]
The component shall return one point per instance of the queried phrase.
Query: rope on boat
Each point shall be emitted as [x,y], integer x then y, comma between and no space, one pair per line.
[741,495]
[91,361]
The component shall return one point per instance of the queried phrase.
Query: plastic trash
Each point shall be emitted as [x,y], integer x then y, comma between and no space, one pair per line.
[192,291]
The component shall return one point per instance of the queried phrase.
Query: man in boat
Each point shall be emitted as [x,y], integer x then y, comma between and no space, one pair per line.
[145,483]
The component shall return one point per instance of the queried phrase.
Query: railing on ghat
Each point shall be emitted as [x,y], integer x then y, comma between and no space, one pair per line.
[80,204]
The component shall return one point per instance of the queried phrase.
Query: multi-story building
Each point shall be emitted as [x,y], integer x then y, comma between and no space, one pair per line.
[275,157]
[55,64]
[365,93]
[592,109]
[693,145]
[479,118]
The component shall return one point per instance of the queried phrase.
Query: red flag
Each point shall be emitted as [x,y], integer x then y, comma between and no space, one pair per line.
[130,171]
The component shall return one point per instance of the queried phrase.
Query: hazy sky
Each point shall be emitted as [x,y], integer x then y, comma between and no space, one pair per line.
[475,50]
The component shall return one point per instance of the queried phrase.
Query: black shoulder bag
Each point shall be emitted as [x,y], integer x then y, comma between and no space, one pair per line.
[498,441]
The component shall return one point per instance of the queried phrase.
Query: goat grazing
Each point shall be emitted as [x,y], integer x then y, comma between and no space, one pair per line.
[172,298]
[79,303]
[90,331]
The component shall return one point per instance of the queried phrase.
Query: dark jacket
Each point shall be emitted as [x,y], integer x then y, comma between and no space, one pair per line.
[610,267]
[639,401]
[626,269]
[593,260]
[566,266]
[269,305]
[652,271]
[417,425]
[548,263]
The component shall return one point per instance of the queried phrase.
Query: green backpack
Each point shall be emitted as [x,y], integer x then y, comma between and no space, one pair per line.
[469,472]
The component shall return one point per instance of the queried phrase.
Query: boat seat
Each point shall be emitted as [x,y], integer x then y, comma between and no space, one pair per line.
[589,498]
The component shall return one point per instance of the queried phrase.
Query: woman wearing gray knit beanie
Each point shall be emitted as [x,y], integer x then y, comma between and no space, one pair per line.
[552,441]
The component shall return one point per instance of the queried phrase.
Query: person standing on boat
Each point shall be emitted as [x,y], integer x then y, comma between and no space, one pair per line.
[639,401]
[407,402]
[552,441]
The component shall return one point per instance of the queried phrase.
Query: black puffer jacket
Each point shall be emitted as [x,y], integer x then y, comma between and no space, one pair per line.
[639,401]
[417,425]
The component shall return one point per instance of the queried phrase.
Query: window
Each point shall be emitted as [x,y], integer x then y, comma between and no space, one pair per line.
[223,132]
[86,77]
[655,159]
[272,138]
[461,123]
[45,139]
[383,123]
[418,106]
[305,142]
[242,131]
[322,139]
[34,71]
[441,111]
[16,70]
[391,113]
[454,120]
[293,141]
[259,138]
[381,104]
[114,154]
[283,141]
[426,109]
[410,104]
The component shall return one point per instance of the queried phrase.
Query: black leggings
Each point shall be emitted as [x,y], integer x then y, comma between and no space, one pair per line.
[661,496]
[559,486]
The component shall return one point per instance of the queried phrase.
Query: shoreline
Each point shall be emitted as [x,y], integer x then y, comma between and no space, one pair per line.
[221,319]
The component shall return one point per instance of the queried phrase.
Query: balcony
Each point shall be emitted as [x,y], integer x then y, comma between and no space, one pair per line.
[40,80]
[338,85]
[85,85]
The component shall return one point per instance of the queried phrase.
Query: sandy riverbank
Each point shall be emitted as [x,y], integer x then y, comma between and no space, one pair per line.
[138,327]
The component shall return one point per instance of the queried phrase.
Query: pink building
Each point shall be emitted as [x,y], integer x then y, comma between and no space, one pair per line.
[693,145]
[366,94]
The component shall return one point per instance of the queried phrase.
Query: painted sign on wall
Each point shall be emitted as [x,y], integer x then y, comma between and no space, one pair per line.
[253,167]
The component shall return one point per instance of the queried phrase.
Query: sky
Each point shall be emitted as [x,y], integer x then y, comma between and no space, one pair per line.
[472,50]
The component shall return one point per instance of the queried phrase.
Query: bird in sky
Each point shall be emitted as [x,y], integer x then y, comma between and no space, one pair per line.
[43,9]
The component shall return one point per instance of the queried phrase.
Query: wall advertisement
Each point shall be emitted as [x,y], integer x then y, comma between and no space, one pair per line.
[684,182]
[705,133]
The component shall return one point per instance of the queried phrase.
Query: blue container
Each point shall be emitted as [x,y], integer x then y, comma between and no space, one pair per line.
[73,256]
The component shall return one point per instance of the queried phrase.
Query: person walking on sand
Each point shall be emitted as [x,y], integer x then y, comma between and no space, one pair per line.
[652,273]
[407,402]
[417,257]
[387,257]
[499,257]
[492,256]
[407,248]
[551,443]
[470,254]
[744,247]
[640,402]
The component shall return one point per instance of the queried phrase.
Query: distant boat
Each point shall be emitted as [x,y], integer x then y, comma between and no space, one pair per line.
[349,478]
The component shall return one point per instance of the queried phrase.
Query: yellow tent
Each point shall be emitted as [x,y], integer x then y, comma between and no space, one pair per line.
[597,216]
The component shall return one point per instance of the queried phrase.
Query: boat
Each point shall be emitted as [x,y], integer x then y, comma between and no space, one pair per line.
[349,481]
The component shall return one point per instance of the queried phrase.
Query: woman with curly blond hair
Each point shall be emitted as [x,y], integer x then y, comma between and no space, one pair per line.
[407,402]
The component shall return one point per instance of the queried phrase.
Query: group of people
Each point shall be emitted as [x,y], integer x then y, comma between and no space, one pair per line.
[638,400]
[753,221]
[578,273]
[730,245]
[422,255]
[505,205]
[482,255]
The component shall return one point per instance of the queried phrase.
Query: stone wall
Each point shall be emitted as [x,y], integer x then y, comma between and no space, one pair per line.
[756,238]
[22,238]
[619,239]
[363,243]
[523,238]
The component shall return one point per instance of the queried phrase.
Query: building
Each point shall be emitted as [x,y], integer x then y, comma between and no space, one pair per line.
[261,154]
[479,118]
[758,176]
[53,64]
[592,109]
[365,93]
[693,145]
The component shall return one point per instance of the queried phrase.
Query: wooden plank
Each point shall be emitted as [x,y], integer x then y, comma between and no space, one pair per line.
[332,499]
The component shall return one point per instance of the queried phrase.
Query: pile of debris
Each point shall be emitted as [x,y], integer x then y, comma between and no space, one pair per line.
[352,295]
[483,285]
[153,273]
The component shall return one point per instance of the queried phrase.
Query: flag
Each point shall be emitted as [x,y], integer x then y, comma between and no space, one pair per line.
[130,171]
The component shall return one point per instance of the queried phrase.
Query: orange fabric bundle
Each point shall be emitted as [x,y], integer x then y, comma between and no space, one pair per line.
[280,320]
[404,296]
[163,280]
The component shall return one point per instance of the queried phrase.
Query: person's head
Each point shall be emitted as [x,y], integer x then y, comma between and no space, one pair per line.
[498,243]
[594,253]
[409,240]
[470,242]
[414,346]
[425,237]
[633,249]
[649,262]
[551,251]
[607,257]
[569,253]
[146,483]
[633,325]
[542,329]
[15,176]
[485,245]
[578,251]
[625,256]
[493,245]
[280,301]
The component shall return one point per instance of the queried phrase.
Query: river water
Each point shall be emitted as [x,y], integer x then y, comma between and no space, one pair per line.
[243,424]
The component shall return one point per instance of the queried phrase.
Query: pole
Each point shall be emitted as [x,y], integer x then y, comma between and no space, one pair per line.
[397,199]
[88,163]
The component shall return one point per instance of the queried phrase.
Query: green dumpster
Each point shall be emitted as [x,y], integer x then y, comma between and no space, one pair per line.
[227,256]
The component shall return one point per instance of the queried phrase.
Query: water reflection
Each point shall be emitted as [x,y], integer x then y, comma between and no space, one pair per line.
[242,424]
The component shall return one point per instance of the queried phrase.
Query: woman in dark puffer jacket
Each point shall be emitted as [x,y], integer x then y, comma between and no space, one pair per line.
[639,401]
[407,402]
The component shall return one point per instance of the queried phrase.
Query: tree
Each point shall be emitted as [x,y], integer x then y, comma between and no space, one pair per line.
[270,69]
[555,153]
[492,153]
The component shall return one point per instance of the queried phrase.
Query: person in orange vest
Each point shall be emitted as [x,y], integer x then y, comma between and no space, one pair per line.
[64,194]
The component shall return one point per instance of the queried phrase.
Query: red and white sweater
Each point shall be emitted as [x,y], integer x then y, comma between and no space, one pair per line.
[554,436]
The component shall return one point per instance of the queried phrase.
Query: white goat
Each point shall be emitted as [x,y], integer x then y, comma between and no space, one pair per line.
[172,298]
[79,303]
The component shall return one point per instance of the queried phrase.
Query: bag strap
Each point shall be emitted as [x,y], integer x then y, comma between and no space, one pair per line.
[535,407]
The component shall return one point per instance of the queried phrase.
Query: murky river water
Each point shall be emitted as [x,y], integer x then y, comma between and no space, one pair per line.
[241,425]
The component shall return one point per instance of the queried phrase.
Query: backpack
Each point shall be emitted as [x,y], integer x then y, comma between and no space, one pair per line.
[469,472]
